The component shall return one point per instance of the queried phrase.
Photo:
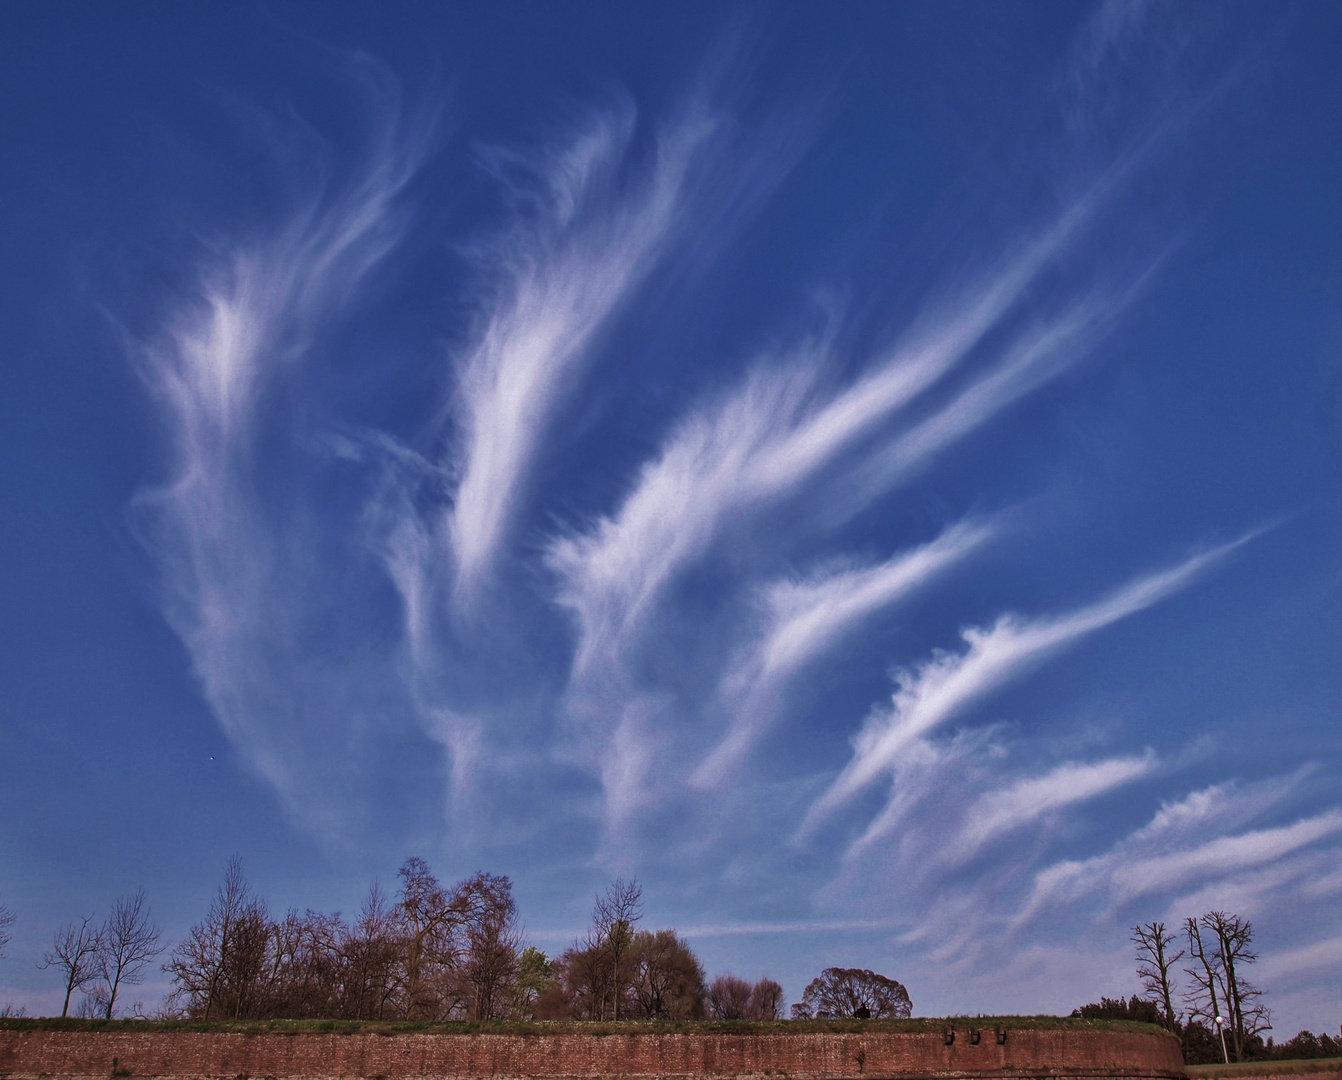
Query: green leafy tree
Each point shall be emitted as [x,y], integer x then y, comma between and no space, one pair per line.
[535,978]
[1134,1008]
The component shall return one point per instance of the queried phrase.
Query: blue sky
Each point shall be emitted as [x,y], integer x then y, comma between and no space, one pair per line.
[871,472]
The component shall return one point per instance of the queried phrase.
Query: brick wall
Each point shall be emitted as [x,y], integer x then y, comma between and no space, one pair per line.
[1054,1053]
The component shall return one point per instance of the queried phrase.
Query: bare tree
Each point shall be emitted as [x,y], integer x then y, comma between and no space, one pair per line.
[667,978]
[1205,997]
[130,942]
[74,950]
[304,967]
[1220,990]
[217,969]
[842,992]
[1247,1014]
[458,947]
[426,926]
[611,935]
[370,952]
[766,1001]
[728,997]
[1154,963]
[6,921]
[493,940]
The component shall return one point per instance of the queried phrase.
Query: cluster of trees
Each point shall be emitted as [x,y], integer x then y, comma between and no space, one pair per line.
[1218,996]
[1201,1046]
[1305,1045]
[430,952]
[618,971]
[1218,1014]
[434,952]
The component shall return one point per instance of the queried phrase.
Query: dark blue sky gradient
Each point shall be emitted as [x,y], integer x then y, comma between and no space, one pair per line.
[852,181]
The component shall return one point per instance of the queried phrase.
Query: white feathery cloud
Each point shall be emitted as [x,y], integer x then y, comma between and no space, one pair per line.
[1189,841]
[1025,801]
[561,274]
[805,619]
[937,691]
[953,799]
[777,433]
[1254,891]
[1035,356]
[611,576]
[229,565]
[1317,954]
[1224,854]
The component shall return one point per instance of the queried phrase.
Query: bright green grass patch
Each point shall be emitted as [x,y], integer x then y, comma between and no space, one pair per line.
[577,1027]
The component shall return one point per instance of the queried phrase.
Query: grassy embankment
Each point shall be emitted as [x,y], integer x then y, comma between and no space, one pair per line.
[583,1027]
[1264,1068]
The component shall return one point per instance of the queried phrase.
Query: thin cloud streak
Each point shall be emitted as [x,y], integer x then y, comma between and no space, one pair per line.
[1318,954]
[1037,355]
[941,688]
[805,620]
[818,926]
[1143,876]
[1188,841]
[1026,801]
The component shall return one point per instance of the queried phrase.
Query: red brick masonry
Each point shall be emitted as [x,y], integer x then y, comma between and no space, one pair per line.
[1058,1054]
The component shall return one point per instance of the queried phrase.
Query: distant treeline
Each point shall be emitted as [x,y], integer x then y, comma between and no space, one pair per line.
[431,953]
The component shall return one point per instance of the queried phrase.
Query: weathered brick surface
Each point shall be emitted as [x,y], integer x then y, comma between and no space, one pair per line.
[1058,1054]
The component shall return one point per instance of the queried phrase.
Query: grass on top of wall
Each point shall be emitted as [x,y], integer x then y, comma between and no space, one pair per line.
[1266,1068]
[579,1027]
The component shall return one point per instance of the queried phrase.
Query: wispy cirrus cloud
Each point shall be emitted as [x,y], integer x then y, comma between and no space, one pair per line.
[581,679]
[805,619]
[773,438]
[778,431]
[964,817]
[1191,842]
[968,860]
[1025,801]
[602,204]
[935,692]
[1142,876]
[236,566]
[591,225]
